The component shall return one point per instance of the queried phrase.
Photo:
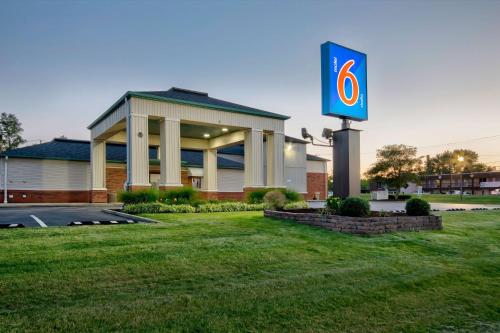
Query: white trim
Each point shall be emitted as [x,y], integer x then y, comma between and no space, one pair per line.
[169,119]
[40,222]
[138,115]
[170,185]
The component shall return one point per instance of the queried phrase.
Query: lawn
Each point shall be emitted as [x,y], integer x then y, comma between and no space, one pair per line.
[447,198]
[230,272]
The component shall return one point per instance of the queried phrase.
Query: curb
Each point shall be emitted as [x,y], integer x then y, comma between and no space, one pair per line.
[129,216]
[11,225]
[80,223]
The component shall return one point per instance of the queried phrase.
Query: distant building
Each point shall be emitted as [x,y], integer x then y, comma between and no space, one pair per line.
[476,183]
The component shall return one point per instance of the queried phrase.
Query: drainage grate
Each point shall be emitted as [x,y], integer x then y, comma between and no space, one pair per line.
[77,223]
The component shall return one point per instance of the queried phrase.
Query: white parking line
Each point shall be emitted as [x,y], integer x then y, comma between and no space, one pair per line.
[40,222]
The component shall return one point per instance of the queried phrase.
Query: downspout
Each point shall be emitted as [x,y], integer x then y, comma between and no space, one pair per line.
[5,181]
[128,146]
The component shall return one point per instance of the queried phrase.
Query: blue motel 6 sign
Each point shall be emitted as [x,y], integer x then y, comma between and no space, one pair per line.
[343,82]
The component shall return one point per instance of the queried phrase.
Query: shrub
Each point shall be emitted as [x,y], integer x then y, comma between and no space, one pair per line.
[417,207]
[228,207]
[402,197]
[177,209]
[257,196]
[332,204]
[143,208]
[291,195]
[355,207]
[134,197]
[180,196]
[274,200]
[296,205]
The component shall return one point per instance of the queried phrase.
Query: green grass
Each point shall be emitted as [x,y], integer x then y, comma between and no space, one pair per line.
[446,198]
[230,272]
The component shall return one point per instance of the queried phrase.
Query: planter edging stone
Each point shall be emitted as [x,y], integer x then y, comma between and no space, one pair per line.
[362,225]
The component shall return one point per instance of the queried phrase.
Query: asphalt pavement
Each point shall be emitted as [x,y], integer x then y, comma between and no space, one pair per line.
[54,216]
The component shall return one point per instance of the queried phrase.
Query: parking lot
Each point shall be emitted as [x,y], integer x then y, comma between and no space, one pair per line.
[54,216]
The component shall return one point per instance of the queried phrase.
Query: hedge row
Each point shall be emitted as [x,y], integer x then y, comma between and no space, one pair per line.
[231,206]
[155,207]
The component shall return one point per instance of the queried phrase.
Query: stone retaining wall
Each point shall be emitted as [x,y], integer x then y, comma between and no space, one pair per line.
[362,225]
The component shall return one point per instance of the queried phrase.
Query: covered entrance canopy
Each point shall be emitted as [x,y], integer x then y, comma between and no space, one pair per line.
[180,118]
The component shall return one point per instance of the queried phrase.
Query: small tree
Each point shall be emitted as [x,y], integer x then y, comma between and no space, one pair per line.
[396,166]
[447,162]
[10,132]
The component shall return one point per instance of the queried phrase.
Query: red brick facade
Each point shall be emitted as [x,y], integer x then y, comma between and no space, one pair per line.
[239,196]
[117,176]
[316,182]
[44,196]
[99,196]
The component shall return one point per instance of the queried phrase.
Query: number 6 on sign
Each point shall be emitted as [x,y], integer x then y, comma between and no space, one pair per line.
[344,75]
[343,82]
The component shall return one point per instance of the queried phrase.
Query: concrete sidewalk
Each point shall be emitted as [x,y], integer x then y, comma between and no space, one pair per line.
[400,205]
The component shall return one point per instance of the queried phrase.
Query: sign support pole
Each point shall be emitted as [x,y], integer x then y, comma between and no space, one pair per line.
[346,161]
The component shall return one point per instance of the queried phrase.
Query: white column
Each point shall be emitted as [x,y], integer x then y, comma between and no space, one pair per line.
[275,143]
[254,162]
[170,153]
[210,170]
[137,151]
[98,163]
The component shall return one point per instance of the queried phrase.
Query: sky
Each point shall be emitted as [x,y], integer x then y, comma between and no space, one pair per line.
[433,66]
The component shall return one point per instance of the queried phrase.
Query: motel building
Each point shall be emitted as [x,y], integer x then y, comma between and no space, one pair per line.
[166,139]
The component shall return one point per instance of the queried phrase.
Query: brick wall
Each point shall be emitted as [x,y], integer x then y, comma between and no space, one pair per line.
[46,196]
[316,182]
[115,178]
[239,196]
[362,225]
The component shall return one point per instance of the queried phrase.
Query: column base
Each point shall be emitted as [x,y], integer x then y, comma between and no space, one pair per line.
[271,188]
[99,196]
[138,187]
[170,187]
[250,189]
[209,195]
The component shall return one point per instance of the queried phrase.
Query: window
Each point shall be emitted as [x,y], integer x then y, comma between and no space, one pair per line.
[196,182]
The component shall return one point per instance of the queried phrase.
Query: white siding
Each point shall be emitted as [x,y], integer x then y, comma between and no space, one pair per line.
[33,174]
[230,180]
[296,167]
[112,119]
[316,166]
[196,114]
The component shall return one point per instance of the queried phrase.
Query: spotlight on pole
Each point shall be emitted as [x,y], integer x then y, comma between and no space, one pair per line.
[306,135]
[327,133]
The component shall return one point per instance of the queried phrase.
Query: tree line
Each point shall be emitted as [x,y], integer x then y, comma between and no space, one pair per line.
[398,165]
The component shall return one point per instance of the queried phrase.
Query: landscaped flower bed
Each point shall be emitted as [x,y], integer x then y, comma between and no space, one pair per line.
[353,215]
[373,224]
[185,200]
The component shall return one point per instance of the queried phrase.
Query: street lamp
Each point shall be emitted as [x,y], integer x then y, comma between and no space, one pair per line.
[472,183]
[440,184]
[461,159]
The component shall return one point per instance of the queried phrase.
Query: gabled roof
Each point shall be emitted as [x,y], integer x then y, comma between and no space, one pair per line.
[79,150]
[316,158]
[190,97]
